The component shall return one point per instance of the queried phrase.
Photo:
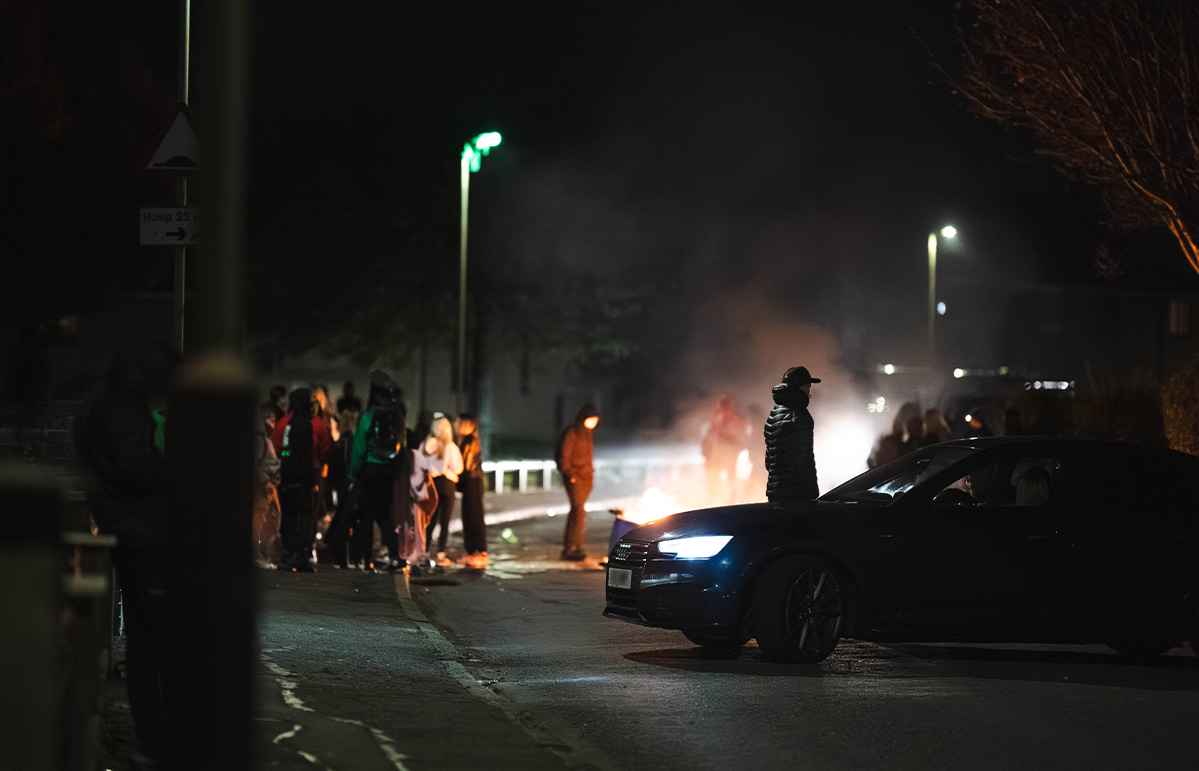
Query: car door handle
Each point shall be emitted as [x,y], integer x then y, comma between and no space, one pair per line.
[1044,536]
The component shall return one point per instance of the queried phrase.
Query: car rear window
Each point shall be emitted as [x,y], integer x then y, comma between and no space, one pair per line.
[1149,486]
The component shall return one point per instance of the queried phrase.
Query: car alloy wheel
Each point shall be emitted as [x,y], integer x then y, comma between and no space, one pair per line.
[799,610]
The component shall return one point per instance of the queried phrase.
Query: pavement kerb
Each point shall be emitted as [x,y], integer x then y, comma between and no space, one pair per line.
[529,512]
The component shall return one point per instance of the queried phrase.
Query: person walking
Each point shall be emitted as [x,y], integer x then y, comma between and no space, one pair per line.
[266,495]
[575,456]
[349,403]
[889,446]
[297,440]
[445,464]
[413,502]
[470,483]
[936,429]
[790,453]
[374,467]
[125,479]
[722,443]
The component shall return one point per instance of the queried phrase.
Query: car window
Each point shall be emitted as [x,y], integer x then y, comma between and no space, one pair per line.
[1152,487]
[892,480]
[1021,481]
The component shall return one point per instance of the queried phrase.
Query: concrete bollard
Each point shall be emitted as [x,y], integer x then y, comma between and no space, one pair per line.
[31,570]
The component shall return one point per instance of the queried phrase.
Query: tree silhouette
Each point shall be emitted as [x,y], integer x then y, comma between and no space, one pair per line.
[1110,91]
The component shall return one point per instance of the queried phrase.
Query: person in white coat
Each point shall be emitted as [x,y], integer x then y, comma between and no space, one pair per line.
[445,463]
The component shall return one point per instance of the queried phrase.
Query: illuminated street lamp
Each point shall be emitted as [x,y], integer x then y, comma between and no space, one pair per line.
[949,231]
[472,155]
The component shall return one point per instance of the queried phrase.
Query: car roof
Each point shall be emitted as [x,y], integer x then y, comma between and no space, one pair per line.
[987,442]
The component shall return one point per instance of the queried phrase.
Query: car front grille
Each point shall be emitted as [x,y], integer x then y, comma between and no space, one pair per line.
[629,554]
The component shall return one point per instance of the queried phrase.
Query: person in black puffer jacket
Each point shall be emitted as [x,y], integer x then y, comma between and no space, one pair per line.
[790,457]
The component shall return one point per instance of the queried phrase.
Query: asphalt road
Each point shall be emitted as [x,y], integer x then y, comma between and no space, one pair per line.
[617,695]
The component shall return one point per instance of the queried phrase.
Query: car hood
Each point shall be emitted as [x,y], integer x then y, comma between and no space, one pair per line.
[731,520]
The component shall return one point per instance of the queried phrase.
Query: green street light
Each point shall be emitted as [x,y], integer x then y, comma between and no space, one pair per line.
[472,156]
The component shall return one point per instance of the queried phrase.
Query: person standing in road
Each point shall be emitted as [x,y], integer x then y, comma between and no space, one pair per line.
[790,453]
[266,491]
[296,439]
[125,478]
[722,443]
[349,403]
[470,482]
[575,456]
[375,465]
[445,464]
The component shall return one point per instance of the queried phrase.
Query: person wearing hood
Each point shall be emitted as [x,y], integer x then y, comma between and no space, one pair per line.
[298,441]
[575,463]
[790,454]
[375,464]
[125,475]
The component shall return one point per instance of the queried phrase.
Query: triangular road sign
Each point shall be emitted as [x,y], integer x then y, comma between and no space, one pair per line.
[178,149]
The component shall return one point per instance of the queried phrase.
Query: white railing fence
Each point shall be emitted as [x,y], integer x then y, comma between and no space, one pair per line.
[532,475]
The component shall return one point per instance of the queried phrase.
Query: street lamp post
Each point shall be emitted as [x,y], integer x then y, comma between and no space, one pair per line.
[949,231]
[472,155]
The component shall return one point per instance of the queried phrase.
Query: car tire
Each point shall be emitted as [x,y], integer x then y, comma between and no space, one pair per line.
[1147,649]
[799,610]
[715,643]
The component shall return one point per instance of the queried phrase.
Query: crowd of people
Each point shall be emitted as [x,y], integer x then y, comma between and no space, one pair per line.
[357,477]
[909,431]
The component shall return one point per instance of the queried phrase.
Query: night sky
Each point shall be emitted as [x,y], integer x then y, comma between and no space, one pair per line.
[783,156]
[769,137]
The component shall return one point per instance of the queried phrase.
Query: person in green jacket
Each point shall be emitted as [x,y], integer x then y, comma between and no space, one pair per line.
[374,466]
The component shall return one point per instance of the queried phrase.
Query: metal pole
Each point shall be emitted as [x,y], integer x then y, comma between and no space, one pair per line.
[932,298]
[462,286]
[209,451]
[181,182]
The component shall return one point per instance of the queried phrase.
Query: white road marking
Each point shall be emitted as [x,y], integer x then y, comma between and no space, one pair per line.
[385,742]
[295,729]
[287,683]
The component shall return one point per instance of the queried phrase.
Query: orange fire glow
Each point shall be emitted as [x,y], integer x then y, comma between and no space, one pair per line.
[654,504]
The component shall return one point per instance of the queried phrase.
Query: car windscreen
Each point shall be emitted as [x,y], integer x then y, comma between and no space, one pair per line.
[891,481]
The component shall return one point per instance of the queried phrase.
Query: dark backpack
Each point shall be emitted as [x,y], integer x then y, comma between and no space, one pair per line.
[295,459]
[383,436]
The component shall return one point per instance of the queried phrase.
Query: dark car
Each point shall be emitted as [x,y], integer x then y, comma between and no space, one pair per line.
[1014,539]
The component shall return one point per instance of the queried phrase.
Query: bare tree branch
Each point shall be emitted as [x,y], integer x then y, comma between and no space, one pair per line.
[1108,89]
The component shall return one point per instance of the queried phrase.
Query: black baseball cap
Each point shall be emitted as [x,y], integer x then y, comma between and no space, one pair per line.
[799,376]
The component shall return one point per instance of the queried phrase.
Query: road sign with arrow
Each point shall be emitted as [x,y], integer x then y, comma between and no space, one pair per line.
[170,226]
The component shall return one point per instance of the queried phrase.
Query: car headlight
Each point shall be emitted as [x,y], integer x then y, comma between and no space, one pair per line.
[696,547]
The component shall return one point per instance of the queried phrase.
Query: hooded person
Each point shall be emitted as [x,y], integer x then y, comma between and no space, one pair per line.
[790,453]
[575,456]
[375,461]
[119,435]
[297,440]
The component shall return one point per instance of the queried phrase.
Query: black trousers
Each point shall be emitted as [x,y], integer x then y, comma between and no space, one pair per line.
[375,485]
[443,514]
[474,527]
[148,600]
[297,523]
